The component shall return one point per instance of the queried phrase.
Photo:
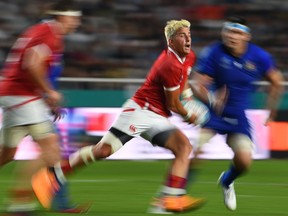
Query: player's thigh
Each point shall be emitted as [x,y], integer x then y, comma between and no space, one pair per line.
[174,140]
[10,139]
[240,142]
[41,130]
[12,136]
[204,136]
[44,135]
[163,133]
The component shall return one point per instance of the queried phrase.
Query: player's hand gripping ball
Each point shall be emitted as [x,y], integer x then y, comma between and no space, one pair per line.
[199,109]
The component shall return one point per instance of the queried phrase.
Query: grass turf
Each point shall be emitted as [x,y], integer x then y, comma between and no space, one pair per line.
[125,188]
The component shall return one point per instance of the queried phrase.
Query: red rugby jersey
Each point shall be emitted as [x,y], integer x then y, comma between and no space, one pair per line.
[17,81]
[167,72]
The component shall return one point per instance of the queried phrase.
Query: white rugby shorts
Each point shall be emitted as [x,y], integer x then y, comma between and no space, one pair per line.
[136,121]
[33,112]
[12,136]
[236,141]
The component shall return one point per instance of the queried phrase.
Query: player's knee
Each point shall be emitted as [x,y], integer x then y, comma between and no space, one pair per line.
[107,146]
[90,154]
[243,160]
[109,139]
[50,149]
[204,137]
[55,154]
[50,158]
[242,147]
[186,147]
[102,150]
[179,145]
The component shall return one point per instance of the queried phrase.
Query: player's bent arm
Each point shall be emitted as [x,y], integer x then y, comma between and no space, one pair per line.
[174,104]
[187,93]
[35,63]
[275,78]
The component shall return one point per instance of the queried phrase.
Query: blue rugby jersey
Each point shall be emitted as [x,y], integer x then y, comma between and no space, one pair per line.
[238,74]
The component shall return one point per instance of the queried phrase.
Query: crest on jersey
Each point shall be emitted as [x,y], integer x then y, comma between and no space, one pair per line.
[250,66]
[132,128]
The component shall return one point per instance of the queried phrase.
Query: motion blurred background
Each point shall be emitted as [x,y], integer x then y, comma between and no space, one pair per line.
[121,38]
[110,54]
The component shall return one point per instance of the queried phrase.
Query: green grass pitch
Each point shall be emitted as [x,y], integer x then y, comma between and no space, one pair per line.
[125,188]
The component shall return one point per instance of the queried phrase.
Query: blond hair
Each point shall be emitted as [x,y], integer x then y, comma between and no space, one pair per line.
[173,25]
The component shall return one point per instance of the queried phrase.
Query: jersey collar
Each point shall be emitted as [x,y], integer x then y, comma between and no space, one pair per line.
[181,60]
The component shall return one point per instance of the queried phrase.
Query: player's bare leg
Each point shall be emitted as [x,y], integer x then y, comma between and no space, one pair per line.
[241,146]
[53,194]
[22,199]
[21,195]
[195,163]
[173,195]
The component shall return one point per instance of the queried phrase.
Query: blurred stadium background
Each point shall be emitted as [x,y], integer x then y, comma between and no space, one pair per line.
[121,38]
[108,58]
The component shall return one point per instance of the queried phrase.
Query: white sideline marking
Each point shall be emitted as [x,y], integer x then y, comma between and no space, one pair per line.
[248,183]
[99,180]
[269,196]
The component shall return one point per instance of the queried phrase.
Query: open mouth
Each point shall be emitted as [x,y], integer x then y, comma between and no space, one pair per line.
[187,45]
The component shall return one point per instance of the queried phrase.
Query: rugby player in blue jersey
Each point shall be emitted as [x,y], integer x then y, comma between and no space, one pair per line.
[234,64]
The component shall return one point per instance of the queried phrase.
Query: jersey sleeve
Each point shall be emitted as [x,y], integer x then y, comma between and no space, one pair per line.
[267,63]
[171,78]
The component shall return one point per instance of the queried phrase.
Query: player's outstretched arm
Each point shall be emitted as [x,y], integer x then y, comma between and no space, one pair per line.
[275,78]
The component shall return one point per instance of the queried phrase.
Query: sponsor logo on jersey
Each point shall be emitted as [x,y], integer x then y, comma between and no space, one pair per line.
[250,66]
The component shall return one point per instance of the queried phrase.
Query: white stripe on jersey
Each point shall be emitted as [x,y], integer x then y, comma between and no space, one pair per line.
[171,88]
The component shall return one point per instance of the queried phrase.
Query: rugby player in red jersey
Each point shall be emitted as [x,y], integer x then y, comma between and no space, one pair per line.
[27,95]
